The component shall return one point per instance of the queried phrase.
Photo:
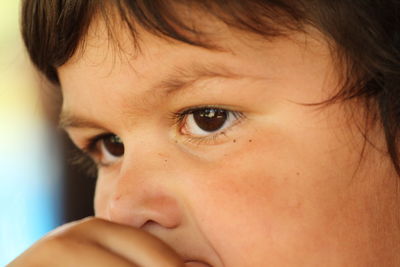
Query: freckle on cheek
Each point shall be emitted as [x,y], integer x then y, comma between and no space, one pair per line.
[234,140]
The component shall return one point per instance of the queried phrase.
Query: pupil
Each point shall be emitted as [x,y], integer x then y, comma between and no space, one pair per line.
[114,145]
[210,119]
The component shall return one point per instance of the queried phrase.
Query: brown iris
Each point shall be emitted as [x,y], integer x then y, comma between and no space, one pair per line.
[210,119]
[114,145]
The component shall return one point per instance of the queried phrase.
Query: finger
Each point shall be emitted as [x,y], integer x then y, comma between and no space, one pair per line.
[61,252]
[130,243]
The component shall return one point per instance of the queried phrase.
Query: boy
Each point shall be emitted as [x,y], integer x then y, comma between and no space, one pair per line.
[226,133]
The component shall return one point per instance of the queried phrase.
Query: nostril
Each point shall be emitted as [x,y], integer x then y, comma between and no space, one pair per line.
[148,224]
[144,209]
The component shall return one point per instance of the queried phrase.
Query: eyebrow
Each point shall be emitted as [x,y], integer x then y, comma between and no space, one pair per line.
[69,120]
[179,80]
[182,78]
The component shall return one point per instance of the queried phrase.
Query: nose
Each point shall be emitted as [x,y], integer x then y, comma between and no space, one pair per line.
[143,193]
[139,204]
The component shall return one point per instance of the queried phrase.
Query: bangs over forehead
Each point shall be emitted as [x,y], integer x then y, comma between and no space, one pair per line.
[56,29]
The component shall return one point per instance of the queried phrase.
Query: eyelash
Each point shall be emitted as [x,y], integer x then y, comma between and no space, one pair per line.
[89,149]
[85,155]
[90,146]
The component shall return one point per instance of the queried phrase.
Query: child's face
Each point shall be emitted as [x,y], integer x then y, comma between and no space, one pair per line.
[251,177]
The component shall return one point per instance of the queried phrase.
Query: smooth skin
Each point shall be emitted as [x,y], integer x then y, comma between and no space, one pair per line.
[282,185]
[96,242]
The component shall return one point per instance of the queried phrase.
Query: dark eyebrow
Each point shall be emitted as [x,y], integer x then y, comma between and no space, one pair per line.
[68,120]
[183,77]
[180,79]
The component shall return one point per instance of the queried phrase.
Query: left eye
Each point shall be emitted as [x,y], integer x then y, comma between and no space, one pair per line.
[109,148]
[205,121]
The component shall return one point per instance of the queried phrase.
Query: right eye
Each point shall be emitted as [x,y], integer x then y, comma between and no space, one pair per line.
[106,149]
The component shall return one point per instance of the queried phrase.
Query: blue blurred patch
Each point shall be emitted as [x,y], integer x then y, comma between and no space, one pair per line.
[30,188]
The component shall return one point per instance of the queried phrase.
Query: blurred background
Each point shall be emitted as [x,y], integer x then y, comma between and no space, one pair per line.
[39,190]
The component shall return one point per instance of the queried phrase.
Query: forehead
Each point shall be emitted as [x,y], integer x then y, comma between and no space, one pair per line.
[106,71]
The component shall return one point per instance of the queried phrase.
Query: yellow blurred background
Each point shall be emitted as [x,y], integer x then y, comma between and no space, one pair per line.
[30,187]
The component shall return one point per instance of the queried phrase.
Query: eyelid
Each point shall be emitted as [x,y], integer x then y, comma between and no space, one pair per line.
[90,145]
[193,109]
[89,148]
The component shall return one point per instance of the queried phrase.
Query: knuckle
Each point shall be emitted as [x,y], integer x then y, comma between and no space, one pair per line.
[72,228]
[66,237]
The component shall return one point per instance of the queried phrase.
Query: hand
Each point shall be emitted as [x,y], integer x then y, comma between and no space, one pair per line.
[96,242]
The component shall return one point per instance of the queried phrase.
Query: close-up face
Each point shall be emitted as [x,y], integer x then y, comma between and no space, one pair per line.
[215,151]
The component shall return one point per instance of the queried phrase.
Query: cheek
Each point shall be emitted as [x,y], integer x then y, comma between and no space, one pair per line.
[274,196]
[251,203]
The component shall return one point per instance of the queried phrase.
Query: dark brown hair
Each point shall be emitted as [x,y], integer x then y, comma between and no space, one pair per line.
[365,34]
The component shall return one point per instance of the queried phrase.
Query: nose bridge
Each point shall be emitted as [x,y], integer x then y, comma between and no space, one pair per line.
[144,192]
